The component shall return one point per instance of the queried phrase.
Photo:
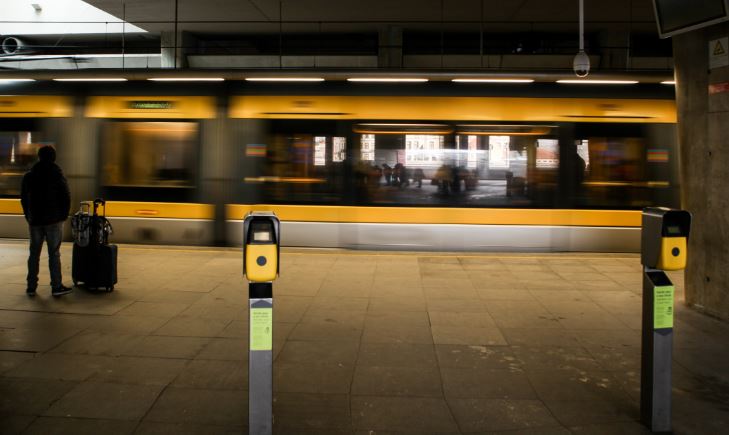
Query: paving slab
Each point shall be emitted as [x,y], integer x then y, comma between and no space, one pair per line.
[397,381]
[483,415]
[200,406]
[317,413]
[312,378]
[227,349]
[168,347]
[336,352]
[213,374]
[79,426]
[107,401]
[158,428]
[24,396]
[477,357]
[10,360]
[15,424]
[402,414]
[58,366]
[29,339]
[140,371]
[467,383]
[92,342]
[397,355]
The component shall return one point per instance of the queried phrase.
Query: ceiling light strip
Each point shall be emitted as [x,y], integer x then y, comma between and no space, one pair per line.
[669,82]
[284,79]
[493,80]
[5,81]
[598,82]
[92,79]
[386,79]
[186,79]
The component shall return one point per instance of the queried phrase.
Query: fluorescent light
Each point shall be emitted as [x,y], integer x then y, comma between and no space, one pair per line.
[186,79]
[493,80]
[92,79]
[668,82]
[8,81]
[284,79]
[598,82]
[386,79]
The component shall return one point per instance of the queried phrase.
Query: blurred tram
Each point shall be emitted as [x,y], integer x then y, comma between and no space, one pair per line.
[440,166]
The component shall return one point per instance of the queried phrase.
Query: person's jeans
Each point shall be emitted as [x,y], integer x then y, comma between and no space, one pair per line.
[52,234]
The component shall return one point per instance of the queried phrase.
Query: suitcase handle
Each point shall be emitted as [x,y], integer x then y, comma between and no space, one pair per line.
[97,202]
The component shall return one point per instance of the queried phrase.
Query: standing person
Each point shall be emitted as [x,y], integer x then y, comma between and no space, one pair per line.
[387,171]
[46,202]
[418,176]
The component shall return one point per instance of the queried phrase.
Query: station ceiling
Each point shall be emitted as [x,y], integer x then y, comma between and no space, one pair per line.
[256,16]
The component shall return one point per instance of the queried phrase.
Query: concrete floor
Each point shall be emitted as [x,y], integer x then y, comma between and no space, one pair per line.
[365,343]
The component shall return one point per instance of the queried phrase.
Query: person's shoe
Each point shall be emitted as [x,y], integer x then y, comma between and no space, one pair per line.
[30,292]
[60,291]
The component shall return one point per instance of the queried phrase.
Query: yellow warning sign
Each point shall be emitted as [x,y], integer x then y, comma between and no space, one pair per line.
[718,48]
[261,329]
[719,52]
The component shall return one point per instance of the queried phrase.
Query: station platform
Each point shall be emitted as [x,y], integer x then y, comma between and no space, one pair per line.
[364,343]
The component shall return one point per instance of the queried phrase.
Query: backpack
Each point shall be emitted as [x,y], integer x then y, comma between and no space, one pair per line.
[81,225]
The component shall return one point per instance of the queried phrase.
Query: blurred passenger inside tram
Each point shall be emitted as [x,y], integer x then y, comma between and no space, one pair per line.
[387,172]
[418,176]
[400,175]
[443,179]
[470,179]
[375,176]
[456,180]
[579,177]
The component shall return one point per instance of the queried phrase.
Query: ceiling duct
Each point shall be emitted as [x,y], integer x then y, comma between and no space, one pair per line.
[13,45]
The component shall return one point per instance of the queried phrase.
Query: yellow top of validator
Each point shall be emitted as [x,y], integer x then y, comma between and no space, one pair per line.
[664,238]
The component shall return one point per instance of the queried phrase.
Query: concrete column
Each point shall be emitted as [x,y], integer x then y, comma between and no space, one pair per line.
[172,50]
[703,131]
[390,47]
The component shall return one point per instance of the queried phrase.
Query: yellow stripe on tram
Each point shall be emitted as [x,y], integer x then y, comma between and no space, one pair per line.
[169,210]
[432,215]
[389,215]
[10,206]
[135,209]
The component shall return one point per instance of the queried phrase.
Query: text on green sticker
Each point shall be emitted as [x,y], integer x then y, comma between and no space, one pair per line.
[663,307]
[261,329]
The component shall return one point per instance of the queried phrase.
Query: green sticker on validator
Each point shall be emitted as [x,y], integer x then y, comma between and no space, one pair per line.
[261,329]
[663,307]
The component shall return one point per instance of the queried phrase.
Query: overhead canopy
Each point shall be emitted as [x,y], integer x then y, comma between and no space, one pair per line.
[55,17]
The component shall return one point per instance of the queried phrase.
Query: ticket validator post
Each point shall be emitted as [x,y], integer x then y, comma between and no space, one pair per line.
[664,239]
[261,249]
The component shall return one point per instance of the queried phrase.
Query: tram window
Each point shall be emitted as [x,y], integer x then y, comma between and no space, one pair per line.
[631,171]
[339,149]
[583,150]
[455,165]
[149,154]
[304,163]
[18,153]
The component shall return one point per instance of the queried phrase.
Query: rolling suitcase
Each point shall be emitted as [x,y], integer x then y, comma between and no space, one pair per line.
[94,264]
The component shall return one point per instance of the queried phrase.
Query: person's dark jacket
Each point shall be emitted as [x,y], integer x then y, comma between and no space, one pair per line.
[44,194]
